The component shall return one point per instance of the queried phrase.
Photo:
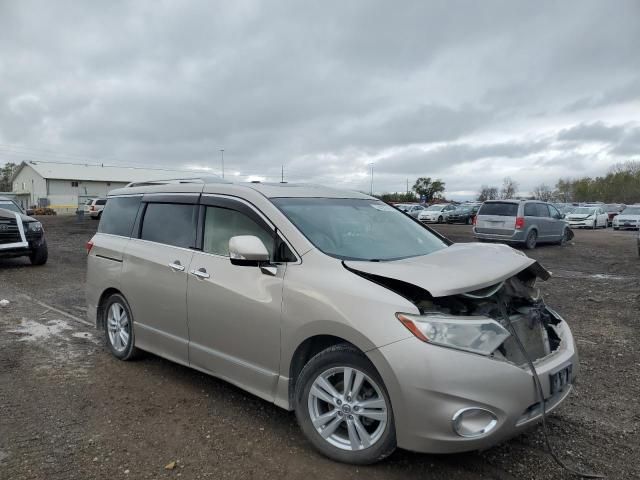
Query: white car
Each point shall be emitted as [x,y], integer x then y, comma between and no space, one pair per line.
[94,207]
[588,217]
[436,213]
[629,218]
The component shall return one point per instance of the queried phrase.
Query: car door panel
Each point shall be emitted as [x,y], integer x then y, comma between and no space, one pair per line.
[156,293]
[155,275]
[235,310]
[234,322]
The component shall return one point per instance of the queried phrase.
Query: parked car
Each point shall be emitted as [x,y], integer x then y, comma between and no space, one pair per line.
[21,235]
[613,210]
[525,222]
[376,330]
[94,207]
[462,214]
[436,213]
[588,217]
[629,218]
[412,209]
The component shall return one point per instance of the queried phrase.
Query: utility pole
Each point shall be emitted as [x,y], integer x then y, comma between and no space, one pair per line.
[282,174]
[222,159]
[407,186]
[371,188]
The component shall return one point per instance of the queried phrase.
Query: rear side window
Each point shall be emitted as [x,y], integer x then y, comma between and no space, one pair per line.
[118,215]
[101,202]
[499,209]
[220,224]
[530,210]
[171,224]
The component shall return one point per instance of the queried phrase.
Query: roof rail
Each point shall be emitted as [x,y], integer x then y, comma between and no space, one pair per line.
[171,181]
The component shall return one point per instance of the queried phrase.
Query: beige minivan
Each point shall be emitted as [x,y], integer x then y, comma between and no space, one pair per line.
[376,330]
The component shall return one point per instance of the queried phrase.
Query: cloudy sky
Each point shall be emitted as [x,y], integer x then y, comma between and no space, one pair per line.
[468,92]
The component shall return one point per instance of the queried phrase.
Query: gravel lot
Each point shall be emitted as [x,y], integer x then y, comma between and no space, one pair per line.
[69,410]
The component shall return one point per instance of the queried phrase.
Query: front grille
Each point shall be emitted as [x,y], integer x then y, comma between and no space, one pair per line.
[9,232]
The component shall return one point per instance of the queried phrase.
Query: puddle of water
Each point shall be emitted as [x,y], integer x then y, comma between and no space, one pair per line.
[33,331]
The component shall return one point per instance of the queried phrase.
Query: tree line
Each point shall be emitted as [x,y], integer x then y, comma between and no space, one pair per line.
[620,185]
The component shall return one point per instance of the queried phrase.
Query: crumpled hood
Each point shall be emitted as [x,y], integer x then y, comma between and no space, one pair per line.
[459,268]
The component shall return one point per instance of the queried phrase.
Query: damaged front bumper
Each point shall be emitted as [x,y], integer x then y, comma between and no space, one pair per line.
[431,385]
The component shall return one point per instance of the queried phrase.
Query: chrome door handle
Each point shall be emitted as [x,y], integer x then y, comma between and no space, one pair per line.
[200,273]
[176,266]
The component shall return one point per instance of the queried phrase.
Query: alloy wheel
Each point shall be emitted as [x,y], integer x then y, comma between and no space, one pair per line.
[347,408]
[118,326]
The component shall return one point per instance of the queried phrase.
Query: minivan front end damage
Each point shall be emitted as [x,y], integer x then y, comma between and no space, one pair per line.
[463,382]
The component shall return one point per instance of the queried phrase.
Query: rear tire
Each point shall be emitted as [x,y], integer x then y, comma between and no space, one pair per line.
[332,409]
[118,328]
[532,240]
[40,255]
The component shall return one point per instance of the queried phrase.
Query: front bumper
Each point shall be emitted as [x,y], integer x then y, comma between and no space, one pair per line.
[430,219]
[429,384]
[581,223]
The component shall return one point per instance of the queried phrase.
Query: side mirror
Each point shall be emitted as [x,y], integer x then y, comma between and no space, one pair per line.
[30,211]
[247,250]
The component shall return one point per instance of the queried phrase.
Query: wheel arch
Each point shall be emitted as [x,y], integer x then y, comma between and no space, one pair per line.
[103,298]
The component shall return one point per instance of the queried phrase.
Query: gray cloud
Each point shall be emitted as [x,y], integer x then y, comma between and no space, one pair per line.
[463,90]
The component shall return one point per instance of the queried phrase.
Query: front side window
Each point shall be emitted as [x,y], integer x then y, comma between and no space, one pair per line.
[554,212]
[170,223]
[355,229]
[220,224]
[118,215]
[542,210]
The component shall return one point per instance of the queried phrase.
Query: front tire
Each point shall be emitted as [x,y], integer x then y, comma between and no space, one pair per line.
[118,327]
[440,219]
[40,255]
[343,407]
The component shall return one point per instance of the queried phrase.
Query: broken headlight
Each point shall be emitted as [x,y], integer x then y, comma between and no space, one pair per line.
[475,334]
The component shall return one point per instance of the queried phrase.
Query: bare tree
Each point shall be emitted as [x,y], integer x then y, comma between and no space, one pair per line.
[487,193]
[509,188]
[543,192]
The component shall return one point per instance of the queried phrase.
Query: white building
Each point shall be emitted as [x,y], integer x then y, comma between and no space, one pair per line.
[65,186]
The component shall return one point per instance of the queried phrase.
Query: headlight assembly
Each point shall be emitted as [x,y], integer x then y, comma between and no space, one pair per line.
[34,226]
[475,334]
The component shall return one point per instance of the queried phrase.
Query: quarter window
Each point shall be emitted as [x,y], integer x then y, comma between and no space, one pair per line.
[118,215]
[220,224]
[171,224]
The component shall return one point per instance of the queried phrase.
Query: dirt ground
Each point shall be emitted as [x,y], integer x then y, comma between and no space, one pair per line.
[69,410]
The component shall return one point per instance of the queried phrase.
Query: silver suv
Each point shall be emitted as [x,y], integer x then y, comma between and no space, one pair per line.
[377,331]
[524,222]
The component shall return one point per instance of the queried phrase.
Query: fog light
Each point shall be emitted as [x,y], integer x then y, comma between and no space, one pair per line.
[473,422]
